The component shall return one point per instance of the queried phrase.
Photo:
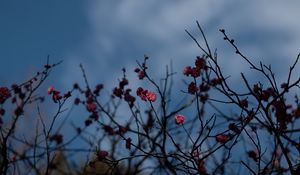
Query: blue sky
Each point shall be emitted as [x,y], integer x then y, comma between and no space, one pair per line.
[30,30]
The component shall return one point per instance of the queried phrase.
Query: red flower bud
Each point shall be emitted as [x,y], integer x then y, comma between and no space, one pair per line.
[141,75]
[187,71]
[47,66]
[51,89]
[91,107]
[88,122]
[101,154]
[253,154]
[67,94]
[233,127]
[244,103]
[118,92]
[76,101]
[128,143]
[192,88]
[179,119]
[200,63]
[58,138]
[201,167]
[222,30]
[137,70]
[4,94]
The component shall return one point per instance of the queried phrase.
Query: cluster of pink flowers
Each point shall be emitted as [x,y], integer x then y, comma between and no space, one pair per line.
[121,92]
[200,64]
[56,94]
[146,95]
[264,94]
[195,71]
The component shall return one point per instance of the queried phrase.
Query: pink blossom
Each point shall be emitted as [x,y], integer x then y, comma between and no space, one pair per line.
[151,96]
[139,91]
[179,119]
[141,75]
[144,95]
[187,70]
[192,88]
[200,63]
[51,89]
[91,107]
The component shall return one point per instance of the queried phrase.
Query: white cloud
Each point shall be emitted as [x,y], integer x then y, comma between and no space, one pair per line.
[121,32]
